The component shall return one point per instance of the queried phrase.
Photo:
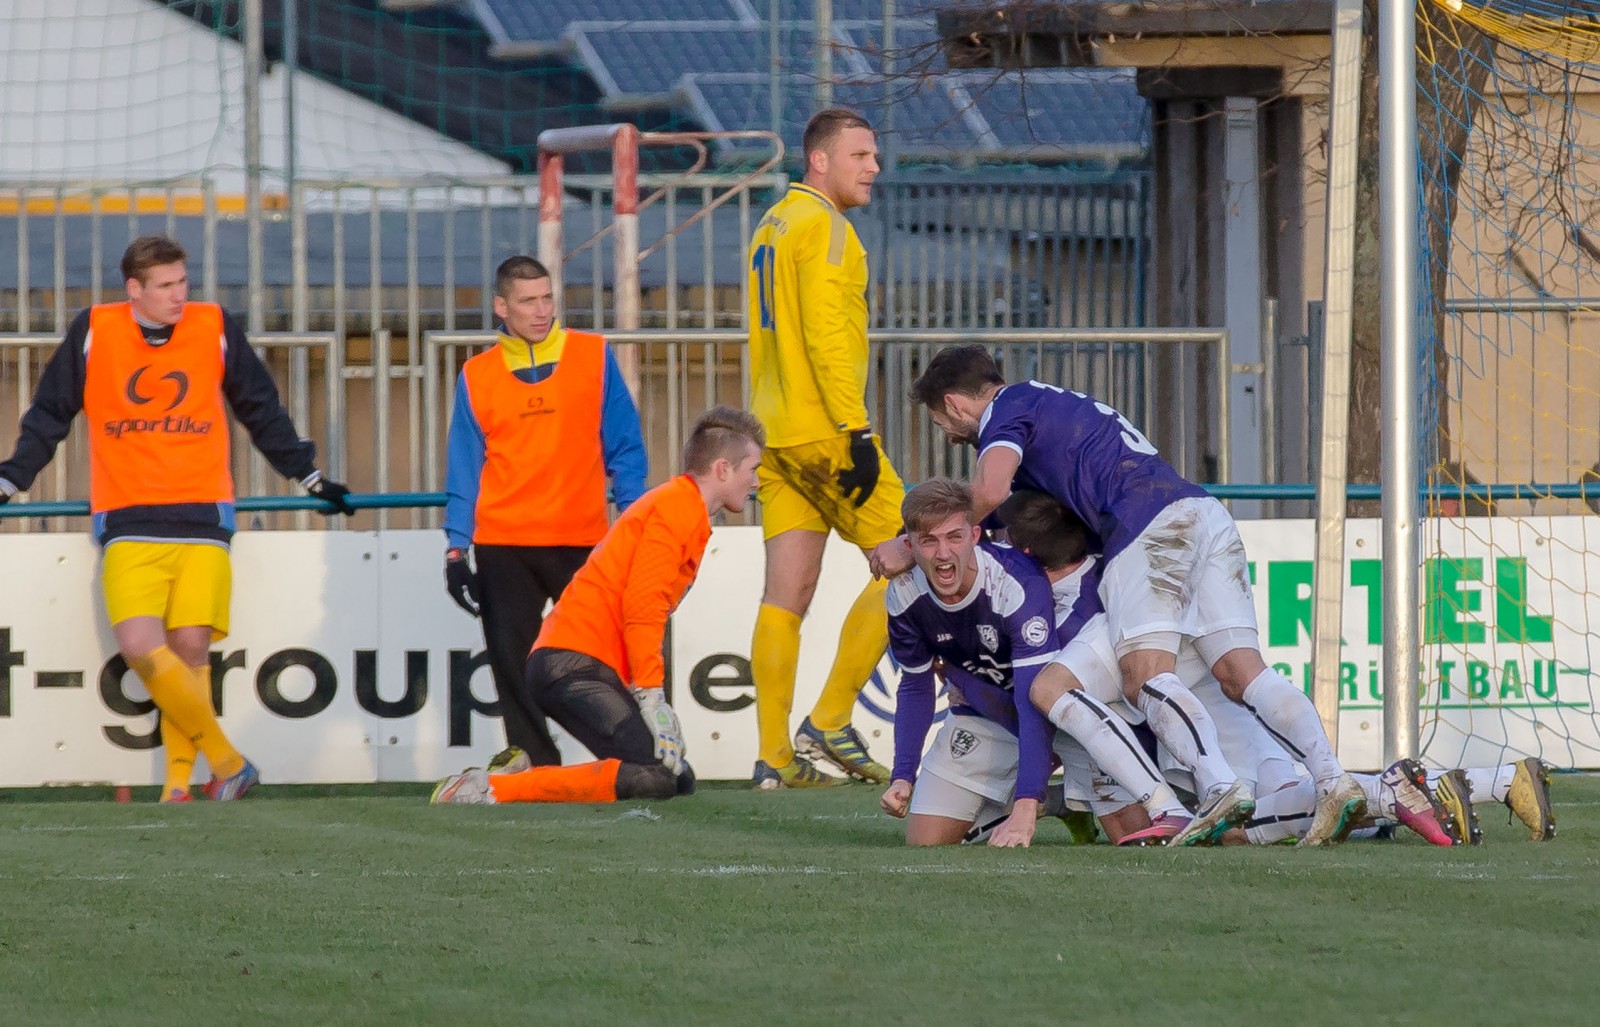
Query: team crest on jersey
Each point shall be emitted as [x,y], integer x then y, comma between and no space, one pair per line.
[962,743]
[989,637]
[1036,631]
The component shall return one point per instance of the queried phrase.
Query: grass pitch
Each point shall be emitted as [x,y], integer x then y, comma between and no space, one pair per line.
[742,908]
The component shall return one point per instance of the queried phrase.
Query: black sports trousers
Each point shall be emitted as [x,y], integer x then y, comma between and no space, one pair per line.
[514,585]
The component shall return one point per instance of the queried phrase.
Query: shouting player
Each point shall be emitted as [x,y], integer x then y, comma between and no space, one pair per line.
[1174,567]
[988,609]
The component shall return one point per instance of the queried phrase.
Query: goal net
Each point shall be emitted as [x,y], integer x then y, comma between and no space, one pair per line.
[1509,115]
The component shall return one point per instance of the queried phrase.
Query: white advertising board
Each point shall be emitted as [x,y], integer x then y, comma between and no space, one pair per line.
[347,662]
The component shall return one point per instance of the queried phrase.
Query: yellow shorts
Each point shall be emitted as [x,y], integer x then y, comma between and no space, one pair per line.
[184,583]
[799,490]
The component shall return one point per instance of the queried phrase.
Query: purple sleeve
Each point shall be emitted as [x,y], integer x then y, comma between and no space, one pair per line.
[1010,422]
[1033,642]
[1034,733]
[913,716]
[984,698]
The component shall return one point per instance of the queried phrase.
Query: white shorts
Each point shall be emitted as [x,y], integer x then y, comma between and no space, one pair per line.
[970,773]
[1186,574]
[1090,658]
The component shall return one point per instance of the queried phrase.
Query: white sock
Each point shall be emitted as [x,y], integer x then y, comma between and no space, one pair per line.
[1181,723]
[1282,814]
[1380,797]
[1291,718]
[1493,782]
[1113,746]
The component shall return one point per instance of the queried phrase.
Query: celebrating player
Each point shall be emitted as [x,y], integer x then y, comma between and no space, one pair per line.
[152,376]
[596,667]
[824,468]
[539,424]
[988,609]
[1174,566]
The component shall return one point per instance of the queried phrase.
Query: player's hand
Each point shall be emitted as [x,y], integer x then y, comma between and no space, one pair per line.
[890,559]
[896,799]
[663,724]
[329,491]
[459,580]
[7,490]
[861,477]
[1017,831]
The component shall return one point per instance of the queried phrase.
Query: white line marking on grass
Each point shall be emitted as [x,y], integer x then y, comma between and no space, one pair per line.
[62,828]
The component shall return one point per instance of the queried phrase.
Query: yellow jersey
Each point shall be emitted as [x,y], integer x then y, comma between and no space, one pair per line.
[808,321]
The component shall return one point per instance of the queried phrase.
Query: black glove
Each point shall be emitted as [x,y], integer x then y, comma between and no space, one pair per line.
[459,580]
[861,477]
[330,491]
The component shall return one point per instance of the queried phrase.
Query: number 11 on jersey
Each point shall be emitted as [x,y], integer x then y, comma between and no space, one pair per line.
[761,262]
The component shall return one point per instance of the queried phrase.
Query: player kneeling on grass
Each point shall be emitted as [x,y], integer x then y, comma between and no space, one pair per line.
[987,609]
[596,667]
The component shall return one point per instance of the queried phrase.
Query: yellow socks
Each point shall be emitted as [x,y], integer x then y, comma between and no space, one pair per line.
[184,698]
[181,752]
[774,661]
[862,641]
[585,782]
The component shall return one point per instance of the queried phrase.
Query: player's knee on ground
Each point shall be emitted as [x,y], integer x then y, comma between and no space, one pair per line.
[601,716]
[1121,822]
[646,781]
[924,830]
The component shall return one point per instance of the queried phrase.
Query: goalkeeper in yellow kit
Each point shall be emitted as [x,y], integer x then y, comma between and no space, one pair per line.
[823,467]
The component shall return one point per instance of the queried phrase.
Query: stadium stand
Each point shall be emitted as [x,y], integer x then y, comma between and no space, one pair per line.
[501,71]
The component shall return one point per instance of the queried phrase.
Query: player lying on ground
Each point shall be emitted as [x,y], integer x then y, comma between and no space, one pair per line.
[596,667]
[987,608]
[1174,566]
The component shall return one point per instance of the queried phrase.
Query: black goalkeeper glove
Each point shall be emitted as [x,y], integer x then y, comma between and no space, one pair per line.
[861,477]
[459,580]
[329,491]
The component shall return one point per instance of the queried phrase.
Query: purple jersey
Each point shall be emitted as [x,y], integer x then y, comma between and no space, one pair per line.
[1002,632]
[1086,455]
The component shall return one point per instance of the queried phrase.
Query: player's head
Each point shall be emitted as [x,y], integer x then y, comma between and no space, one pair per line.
[721,454]
[524,298]
[1039,525]
[956,387]
[944,541]
[841,153]
[157,278]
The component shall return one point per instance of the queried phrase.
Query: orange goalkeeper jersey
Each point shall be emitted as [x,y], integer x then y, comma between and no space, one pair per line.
[617,605]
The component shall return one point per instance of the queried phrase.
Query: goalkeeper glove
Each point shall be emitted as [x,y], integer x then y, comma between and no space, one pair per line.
[7,490]
[861,476]
[663,724]
[331,492]
[459,580]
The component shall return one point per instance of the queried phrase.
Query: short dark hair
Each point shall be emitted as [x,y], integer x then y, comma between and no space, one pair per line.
[517,269]
[933,502]
[721,432]
[967,370]
[1039,523]
[825,126]
[150,251]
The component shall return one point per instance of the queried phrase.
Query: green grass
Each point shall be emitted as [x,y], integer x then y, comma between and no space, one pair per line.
[741,908]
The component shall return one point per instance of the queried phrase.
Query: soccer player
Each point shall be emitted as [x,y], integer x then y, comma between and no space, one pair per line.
[988,609]
[1043,528]
[824,468]
[1174,567]
[540,423]
[596,667]
[155,377]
